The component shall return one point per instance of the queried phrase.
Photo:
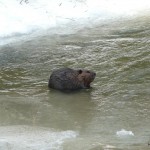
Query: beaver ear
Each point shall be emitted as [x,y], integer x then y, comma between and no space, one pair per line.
[80,71]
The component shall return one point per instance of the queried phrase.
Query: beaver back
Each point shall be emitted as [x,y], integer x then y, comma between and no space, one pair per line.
[70,79]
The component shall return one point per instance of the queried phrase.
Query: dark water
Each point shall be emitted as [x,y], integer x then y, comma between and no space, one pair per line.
[120,55]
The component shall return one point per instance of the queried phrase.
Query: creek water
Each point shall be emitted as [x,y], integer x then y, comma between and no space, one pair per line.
[113,114]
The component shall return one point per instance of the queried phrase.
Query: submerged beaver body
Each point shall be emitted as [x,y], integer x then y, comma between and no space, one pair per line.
[70,79]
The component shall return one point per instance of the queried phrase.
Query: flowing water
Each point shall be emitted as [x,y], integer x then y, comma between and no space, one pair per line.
[113,114]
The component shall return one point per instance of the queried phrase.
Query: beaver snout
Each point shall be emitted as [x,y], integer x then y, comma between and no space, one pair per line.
[94,74]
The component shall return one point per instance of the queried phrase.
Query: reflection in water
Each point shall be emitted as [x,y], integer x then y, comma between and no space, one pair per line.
[118,53]
[76,109]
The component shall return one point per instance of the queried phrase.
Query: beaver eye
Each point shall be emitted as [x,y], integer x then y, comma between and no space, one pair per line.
[88,72]
[80,71]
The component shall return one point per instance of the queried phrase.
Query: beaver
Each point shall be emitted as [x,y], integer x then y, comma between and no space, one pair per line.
[70,79]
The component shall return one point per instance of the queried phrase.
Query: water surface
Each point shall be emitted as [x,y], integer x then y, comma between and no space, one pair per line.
[87,119]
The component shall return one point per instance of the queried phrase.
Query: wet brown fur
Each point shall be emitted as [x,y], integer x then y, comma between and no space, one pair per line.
[70,79]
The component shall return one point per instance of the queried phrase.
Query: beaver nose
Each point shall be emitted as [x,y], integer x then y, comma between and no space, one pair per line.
[94,74]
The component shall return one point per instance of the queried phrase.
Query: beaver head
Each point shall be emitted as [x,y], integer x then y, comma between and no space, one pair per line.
[86,77]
